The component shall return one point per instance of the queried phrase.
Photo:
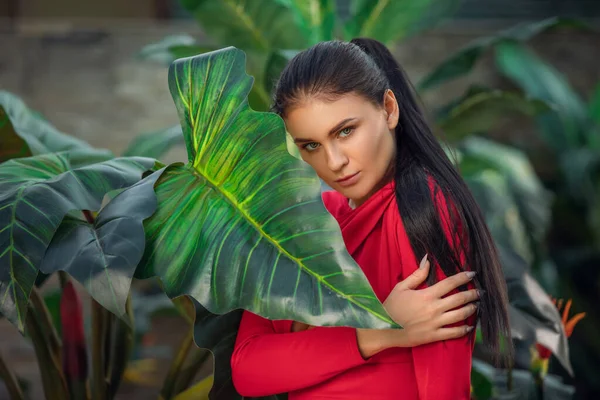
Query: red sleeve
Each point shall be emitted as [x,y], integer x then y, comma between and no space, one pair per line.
[443,369]
[266,363]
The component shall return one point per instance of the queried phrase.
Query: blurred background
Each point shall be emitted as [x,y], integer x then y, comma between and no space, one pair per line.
[512,85]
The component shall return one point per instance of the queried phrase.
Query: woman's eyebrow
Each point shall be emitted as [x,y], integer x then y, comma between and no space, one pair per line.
[331,131]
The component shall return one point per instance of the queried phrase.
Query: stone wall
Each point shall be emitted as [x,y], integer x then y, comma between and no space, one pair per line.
[86,79]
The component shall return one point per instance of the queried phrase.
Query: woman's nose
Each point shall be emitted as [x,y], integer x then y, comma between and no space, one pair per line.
[336,159]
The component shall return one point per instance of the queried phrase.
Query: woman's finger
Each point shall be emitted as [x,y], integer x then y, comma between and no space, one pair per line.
[416,278]
[453,333]
[454,316]
[458,299]
[449,284]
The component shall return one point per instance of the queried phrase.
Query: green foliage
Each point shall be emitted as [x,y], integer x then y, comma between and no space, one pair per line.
[240,197]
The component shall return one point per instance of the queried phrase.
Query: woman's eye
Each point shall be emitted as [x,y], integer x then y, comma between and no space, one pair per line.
[346,131]
[311,146]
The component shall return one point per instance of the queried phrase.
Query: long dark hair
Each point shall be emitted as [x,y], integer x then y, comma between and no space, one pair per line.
[366,67]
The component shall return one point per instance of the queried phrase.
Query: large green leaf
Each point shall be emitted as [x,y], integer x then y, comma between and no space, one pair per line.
[35,195]
[481,111]
[388,20]
[243,225]
[569,125]
[517,180]
[218,333]
[155,144]
[315,18]
[274,67]
[13,145]
[463,61]
[103,254]
[258,25]
[533,317]
[41,137]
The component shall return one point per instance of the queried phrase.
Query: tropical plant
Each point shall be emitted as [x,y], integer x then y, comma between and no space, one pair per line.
[507,192]
[566,260]
[237,209]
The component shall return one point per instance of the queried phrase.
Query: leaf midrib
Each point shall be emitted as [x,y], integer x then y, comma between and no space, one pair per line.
[229,197]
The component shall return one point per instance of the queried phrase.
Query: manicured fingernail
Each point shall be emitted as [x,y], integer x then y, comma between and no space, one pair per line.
[471,274]
[480,293]
[470,328]
[423,261]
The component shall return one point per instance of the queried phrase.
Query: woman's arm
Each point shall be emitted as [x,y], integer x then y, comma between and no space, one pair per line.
[266,363]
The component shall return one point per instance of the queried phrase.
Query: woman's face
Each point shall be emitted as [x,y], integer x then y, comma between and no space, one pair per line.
[349,142]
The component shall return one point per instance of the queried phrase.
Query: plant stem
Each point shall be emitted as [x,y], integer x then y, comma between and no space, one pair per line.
[38,304]
[122,347]
[98,360]
[10,381]
[53,380]
[167,391]
[63,277]
[197,359]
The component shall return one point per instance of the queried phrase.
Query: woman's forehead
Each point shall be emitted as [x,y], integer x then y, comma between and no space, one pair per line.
[318,116]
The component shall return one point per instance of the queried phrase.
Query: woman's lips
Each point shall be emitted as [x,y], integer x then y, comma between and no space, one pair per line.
[348,180]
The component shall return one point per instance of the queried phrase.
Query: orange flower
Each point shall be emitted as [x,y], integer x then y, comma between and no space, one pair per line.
[569,325]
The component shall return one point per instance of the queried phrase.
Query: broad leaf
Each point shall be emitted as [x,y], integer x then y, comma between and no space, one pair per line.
[35,195]
[13,145]
[569,125]
[41,137]
[480,112]
[218,333]
[315,18]
[389,21]
[532,200]
[533,317]
[243,225]
[171,48]
[594,106]
[102,255]
[257,25]
[481,381]
[274,67]
[155,144]
[463,61]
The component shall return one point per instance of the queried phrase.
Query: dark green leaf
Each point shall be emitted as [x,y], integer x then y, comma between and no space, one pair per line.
[532,200]
[218,333]
[13,146]
[275,65]
[481,382]
[258,25]
[594,107]
[155,144]
[462,62]
[533,317]
[315,18]
[42,137]
[389,21]
[103,255]
[35,195]
[481,111]
[568,126]
[227,230]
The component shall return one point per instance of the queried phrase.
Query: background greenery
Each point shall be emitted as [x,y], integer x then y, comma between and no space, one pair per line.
[545,224]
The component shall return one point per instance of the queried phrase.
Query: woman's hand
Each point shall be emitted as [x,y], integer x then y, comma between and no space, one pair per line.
[424,314]
[408,306]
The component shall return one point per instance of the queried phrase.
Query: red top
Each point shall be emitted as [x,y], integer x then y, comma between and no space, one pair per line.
[324,362]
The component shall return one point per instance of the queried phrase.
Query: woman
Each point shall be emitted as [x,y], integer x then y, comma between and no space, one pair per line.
[398,199]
